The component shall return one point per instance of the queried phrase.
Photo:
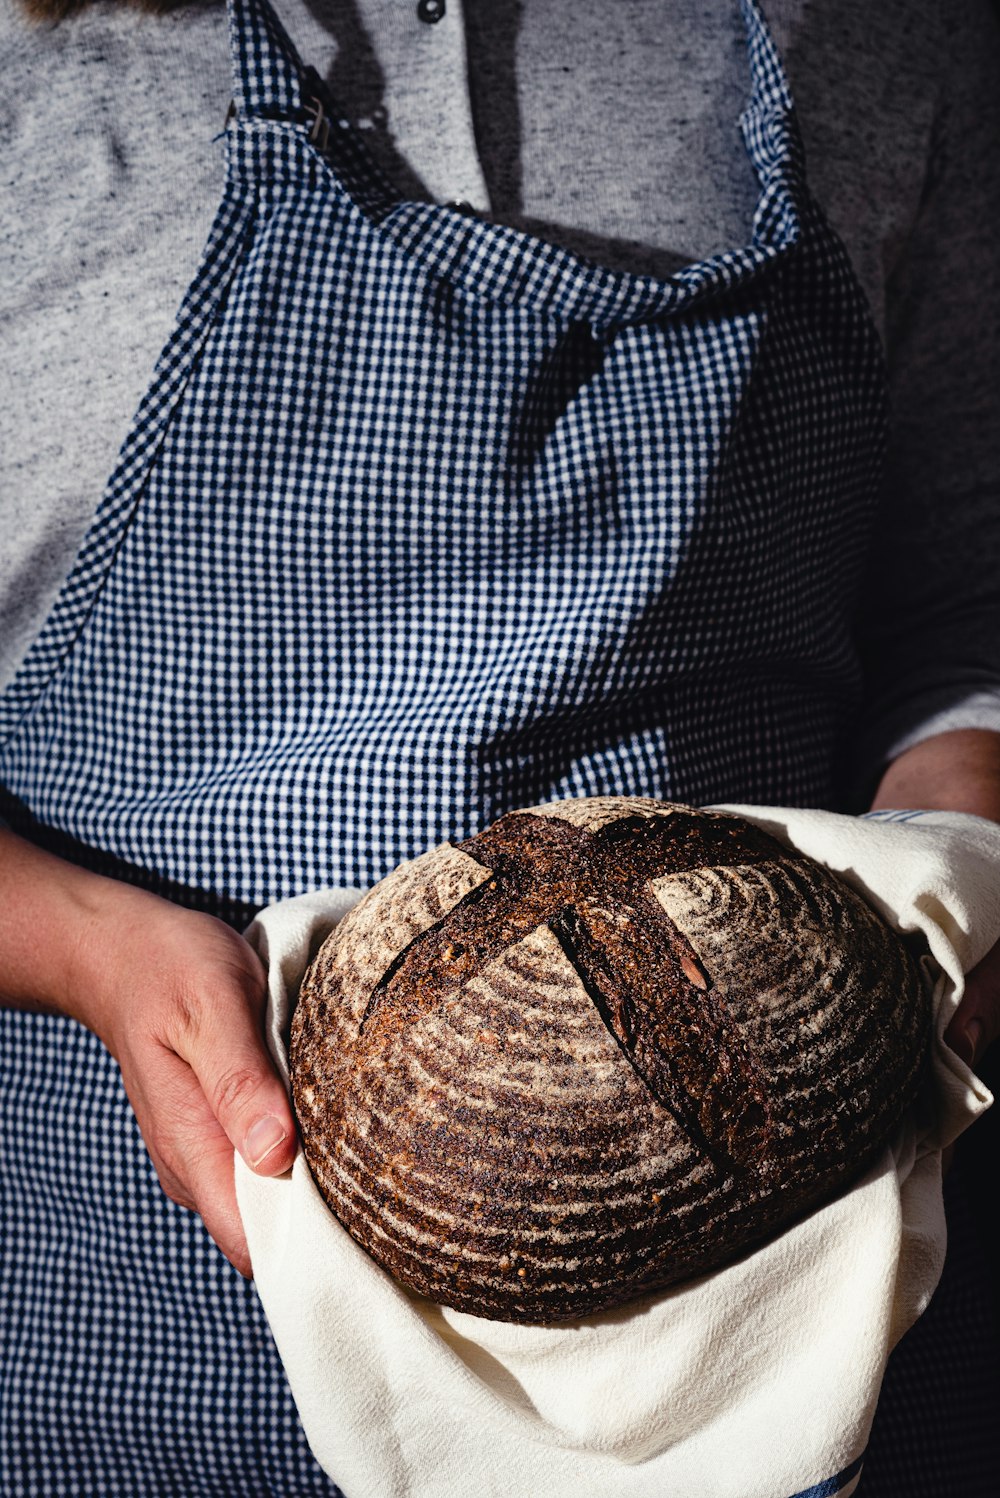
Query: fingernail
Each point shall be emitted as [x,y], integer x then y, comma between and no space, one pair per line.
[966,1043]
[265,1136]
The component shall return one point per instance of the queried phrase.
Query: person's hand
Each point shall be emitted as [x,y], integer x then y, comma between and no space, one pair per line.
[975,1025]
[956,771]
[178,998]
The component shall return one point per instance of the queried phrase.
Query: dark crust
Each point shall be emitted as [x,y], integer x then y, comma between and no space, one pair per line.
[596,1050]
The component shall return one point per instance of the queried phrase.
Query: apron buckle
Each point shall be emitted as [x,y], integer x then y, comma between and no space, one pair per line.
[319,131]
[319,126]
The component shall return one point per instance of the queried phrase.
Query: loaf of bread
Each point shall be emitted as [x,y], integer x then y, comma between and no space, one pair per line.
[602,1047]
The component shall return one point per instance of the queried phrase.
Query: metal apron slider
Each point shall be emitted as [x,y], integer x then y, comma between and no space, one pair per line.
[319,130]
[319,124]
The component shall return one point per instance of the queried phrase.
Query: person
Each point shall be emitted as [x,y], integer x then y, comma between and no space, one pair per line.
[535,487]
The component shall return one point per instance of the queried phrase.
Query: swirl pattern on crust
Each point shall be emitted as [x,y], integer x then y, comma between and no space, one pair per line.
[605,1046]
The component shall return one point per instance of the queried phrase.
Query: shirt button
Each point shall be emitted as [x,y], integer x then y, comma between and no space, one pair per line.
[430,10]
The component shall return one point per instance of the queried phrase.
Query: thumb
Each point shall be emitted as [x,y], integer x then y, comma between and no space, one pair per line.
[246,1094]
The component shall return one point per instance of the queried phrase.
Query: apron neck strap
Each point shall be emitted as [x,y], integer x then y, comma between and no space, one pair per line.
[770,93]
[267,71]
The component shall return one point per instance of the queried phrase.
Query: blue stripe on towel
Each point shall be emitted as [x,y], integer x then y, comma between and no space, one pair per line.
[833,1484]
[888,815]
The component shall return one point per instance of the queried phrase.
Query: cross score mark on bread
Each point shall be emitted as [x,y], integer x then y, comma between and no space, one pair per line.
[593,892]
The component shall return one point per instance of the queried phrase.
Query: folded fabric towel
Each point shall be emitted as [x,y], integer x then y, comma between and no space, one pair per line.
[757,1381]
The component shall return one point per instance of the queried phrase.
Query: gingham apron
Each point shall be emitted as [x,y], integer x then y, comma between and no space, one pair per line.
[422,519]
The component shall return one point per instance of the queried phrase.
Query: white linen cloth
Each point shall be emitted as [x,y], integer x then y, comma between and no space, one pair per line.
[757,1381]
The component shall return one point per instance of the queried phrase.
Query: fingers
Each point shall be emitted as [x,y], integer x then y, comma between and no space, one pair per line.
[216,1203]
[975,1024]
[193,1155]
[966,1041]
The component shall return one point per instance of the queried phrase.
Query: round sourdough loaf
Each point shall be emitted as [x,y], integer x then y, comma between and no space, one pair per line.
[603,1046]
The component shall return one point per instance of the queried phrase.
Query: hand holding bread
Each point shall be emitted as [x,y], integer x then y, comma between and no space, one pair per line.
[178,999]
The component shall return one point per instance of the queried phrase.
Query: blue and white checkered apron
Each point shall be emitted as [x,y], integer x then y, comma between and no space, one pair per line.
[422,519]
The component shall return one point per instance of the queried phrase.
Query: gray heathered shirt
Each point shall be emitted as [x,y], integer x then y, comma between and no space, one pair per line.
[607,127]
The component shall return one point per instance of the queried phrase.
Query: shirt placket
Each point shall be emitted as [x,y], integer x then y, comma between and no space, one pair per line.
[422,51]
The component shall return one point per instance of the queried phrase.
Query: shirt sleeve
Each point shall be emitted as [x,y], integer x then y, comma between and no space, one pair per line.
[929,630]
